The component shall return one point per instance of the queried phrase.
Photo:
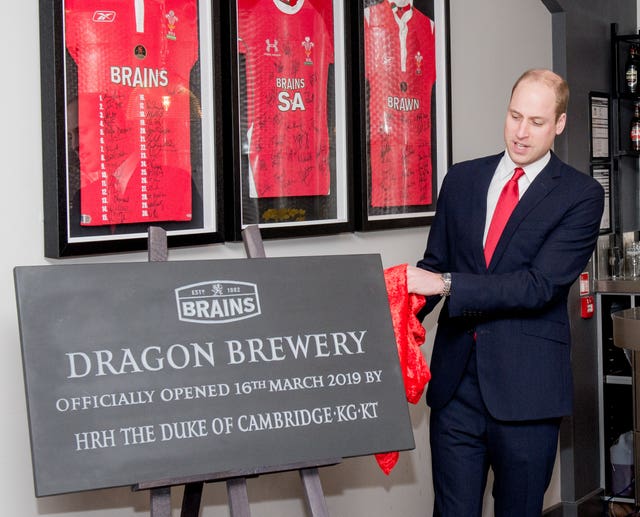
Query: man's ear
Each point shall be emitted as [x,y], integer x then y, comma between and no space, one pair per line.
[560,123]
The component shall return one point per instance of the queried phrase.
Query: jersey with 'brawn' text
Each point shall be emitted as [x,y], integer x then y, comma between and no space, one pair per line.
[400,70]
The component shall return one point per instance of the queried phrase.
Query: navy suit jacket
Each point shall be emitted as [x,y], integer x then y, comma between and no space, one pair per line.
[517,307]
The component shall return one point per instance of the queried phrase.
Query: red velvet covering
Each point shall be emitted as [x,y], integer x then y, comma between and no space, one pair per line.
[410,334]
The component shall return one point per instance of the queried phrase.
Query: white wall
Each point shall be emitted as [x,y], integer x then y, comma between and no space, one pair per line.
[490,46]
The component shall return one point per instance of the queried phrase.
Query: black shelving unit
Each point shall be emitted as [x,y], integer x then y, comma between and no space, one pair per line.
[625,185]
[617,389]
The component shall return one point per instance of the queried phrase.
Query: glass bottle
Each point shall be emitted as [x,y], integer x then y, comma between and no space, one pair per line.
[631,70]
[635,127]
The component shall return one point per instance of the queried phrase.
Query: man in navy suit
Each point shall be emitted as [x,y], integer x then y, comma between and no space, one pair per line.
[501,360]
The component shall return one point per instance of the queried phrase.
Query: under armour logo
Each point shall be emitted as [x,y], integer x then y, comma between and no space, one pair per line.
[271,48]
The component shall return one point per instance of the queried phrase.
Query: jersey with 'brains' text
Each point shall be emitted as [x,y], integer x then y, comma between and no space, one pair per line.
[134,59]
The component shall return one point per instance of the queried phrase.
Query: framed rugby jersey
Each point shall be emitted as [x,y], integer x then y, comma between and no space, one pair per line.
[404,111]
[289,120]
[131,137]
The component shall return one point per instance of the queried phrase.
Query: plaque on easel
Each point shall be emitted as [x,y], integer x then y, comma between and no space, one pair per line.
[168,373]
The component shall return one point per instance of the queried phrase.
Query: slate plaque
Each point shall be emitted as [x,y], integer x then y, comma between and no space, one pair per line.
[139,372]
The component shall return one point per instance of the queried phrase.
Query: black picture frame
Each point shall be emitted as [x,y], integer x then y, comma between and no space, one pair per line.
[66,176]
[602,172]
[274,194]
[599,127]
[399,173]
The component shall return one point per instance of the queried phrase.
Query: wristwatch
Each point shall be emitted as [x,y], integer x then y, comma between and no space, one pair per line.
[446,284]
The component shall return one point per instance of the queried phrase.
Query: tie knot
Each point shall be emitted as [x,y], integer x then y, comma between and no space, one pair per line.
[517,173]
[400,10]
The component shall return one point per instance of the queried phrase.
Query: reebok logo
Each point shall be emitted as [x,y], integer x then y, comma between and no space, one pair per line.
[104,16]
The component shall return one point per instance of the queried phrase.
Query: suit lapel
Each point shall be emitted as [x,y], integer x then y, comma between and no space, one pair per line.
[544,183]
[479,190]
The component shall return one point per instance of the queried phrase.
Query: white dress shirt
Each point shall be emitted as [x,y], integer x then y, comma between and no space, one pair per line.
[503,174]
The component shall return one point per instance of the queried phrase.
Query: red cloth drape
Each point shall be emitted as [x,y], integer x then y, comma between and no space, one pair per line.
[410,334]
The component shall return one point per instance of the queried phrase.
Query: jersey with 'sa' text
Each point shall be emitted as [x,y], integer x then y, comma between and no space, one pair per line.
[400,70]
[287,50]
[133,59]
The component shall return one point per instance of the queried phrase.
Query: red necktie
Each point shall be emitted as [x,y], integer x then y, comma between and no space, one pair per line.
[400,10]
[506,203]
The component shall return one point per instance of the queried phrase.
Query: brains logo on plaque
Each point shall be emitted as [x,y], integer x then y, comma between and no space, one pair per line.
[217,301]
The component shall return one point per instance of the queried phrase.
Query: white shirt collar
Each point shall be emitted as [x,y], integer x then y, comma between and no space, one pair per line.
[531,171]
[501,175]
[288,9]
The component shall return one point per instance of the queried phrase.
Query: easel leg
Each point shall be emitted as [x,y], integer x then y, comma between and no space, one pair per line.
[253,245]
[238,497]
[191,499]
[316,503]
[158,250]
[161,502]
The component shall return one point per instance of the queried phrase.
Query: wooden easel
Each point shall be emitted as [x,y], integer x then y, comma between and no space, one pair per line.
[160,491]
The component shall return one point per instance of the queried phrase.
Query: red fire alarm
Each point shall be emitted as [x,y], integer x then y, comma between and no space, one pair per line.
[587,306]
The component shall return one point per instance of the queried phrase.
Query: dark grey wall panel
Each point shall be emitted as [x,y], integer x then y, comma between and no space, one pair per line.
[582,53]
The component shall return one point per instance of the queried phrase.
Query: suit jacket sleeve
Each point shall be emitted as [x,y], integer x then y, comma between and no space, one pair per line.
[563,253]
[515,310]
[547,252]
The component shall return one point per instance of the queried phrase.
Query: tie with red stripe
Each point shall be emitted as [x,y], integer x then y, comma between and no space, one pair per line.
[506,203]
